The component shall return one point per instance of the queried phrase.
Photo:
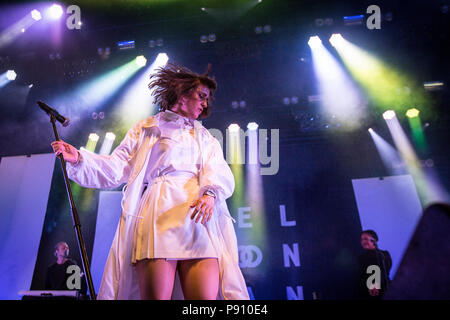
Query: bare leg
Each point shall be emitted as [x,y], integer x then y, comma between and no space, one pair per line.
[199,278]
[156,278]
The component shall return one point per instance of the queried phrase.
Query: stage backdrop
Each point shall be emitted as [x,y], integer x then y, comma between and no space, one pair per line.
[108,216]
[24,190]
[391,206]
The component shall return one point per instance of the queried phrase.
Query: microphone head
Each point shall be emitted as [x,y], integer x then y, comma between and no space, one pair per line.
[66,123]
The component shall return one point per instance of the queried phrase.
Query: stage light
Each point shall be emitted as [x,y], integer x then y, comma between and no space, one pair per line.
[16,29]
[110,136]
[124,45]
[390,157]
[335,39]
[11,75]
[428,187]
[233,128]
[412,113]
[433,85]
[203,39]
[94,137]
[136,102]
[340,96]
[417,130]
[385,86]
[55,11]
[252,126]
[161,60]
[141,61]
[212,37]
[92,142]
[107,143]
[388,115]
[96,92]
[353,20]
[36,15]
[267,29]
[314,42]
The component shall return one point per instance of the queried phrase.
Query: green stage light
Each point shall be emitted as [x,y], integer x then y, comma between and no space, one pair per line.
[412,113]
[92,142]
[141,61]
[386,87]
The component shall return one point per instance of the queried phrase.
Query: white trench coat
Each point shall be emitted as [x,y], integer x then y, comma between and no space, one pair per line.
[127,164]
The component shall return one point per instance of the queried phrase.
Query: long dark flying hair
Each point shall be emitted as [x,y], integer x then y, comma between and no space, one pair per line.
[172,82]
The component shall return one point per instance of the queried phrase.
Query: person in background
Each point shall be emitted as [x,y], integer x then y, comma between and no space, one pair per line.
[373,256]
[57,273]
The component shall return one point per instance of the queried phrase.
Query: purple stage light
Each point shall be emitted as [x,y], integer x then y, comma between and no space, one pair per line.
[36,15]
[55,11]
[11,75]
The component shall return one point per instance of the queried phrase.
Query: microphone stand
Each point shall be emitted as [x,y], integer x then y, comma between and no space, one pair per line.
[75,219]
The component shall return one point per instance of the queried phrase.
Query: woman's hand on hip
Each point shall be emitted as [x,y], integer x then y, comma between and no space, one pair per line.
[203,208]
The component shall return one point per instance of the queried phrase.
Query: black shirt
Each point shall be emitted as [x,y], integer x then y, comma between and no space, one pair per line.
[381,258]
[57,276]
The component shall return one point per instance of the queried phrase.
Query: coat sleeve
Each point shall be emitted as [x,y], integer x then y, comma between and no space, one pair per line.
[106,171]
[216,174]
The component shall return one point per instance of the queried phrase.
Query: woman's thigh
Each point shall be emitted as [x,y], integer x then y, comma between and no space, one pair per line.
[199,278]
[156,278]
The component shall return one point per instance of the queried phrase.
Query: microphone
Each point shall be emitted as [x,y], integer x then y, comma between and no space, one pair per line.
[50,111]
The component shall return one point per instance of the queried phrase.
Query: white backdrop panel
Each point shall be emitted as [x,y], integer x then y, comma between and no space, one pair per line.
[108,215]
[392,208]
[24,190]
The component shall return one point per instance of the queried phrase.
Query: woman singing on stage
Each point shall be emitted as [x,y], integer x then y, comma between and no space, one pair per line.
[174,214]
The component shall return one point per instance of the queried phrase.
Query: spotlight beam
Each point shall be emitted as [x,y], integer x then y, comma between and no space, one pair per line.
[386,87]
[428,187]
[12,32]
[341,99]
